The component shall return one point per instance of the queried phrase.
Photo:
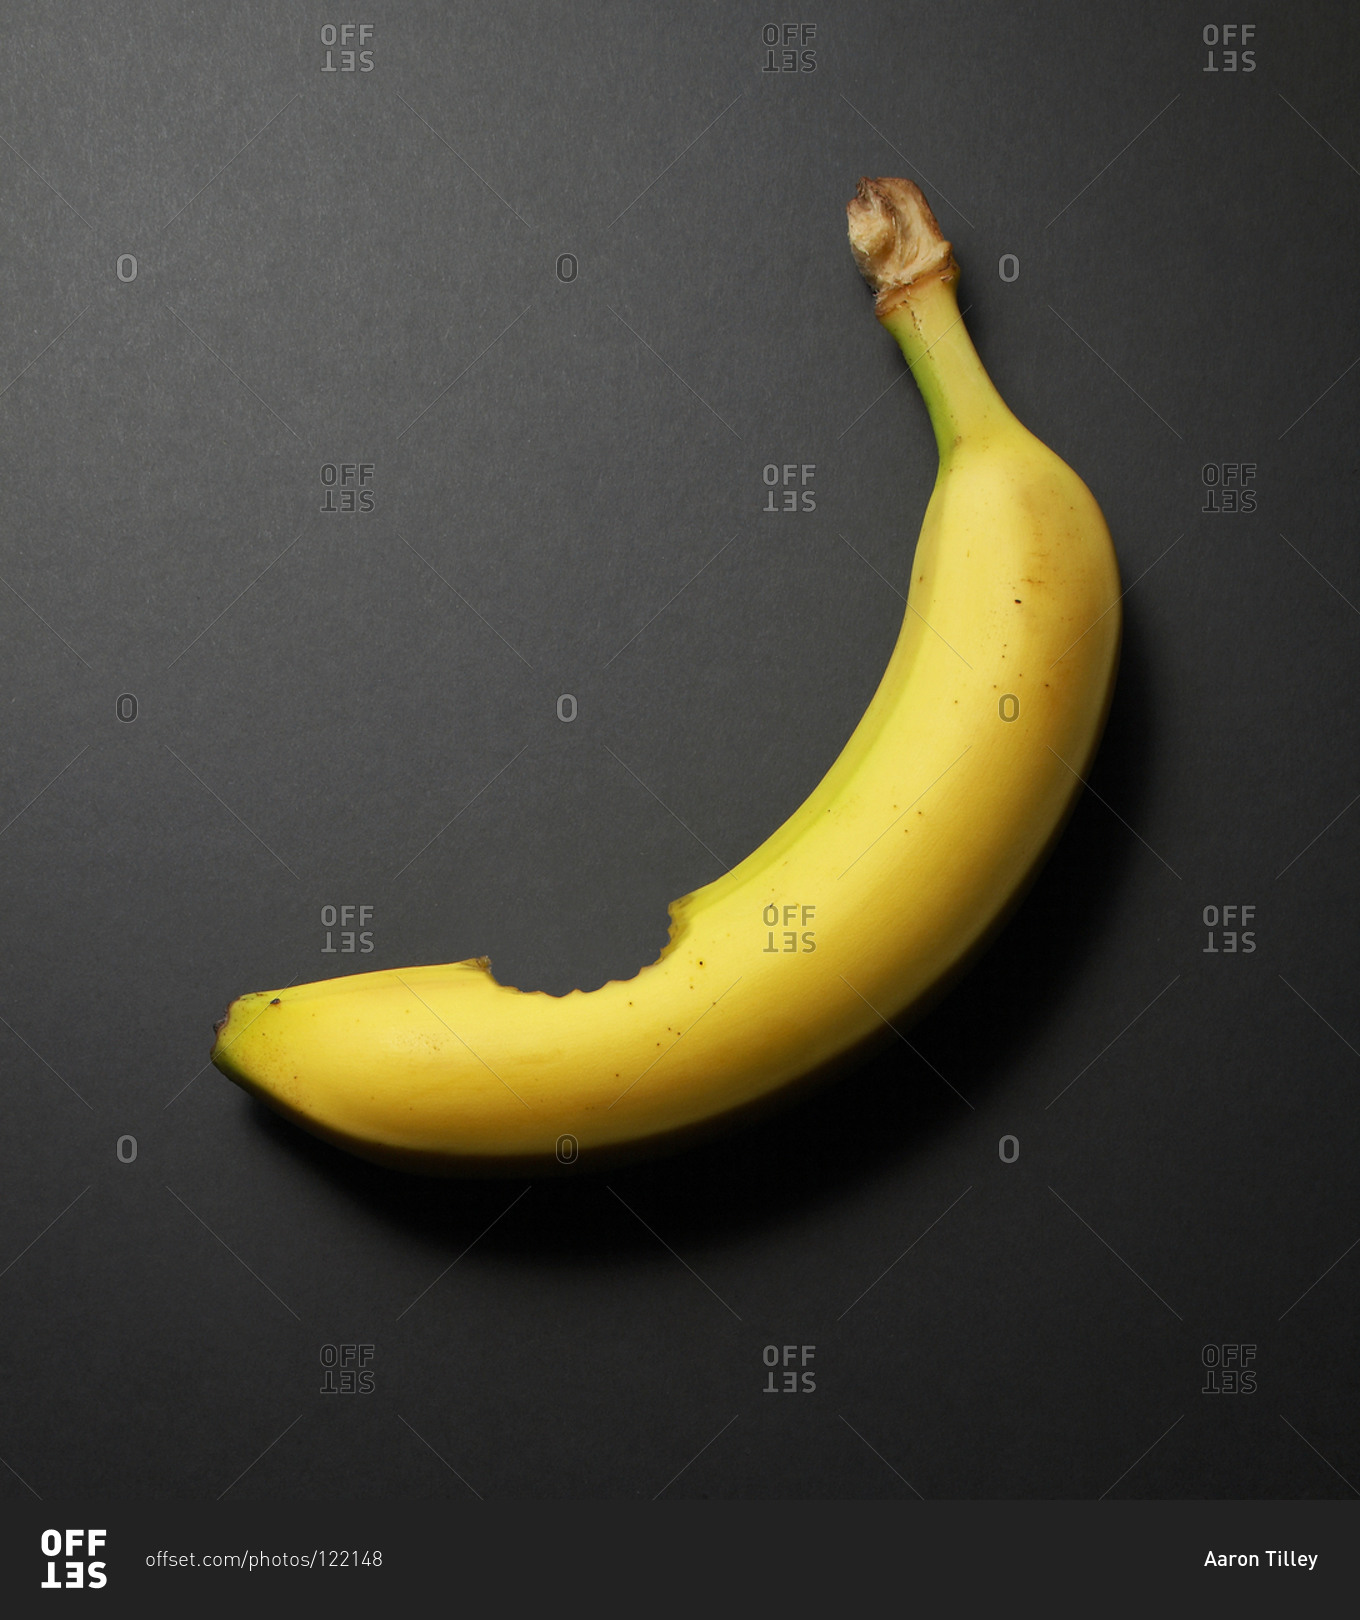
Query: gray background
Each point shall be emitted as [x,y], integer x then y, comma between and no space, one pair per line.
[568,489]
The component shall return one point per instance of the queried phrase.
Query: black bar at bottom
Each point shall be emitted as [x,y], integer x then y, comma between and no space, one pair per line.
[841,1558]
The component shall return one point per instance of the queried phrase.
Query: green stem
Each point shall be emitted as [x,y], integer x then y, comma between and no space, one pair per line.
[902,254]
[961,398]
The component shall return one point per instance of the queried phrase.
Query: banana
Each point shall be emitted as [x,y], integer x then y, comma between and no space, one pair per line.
[858,910]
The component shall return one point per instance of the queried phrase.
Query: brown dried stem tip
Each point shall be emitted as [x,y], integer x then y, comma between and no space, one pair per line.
[896,240]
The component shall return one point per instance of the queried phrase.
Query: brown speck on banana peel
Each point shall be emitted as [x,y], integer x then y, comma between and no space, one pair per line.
[896,240]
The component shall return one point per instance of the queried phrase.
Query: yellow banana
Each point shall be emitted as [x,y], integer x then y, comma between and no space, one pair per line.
[870,897]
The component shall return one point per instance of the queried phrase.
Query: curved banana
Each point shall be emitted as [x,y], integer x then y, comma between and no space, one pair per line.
[869,898]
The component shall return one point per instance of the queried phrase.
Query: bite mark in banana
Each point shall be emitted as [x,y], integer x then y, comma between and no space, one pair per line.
[889,878]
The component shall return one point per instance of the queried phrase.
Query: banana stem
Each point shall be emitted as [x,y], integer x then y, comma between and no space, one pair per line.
[960,397]
[903,255]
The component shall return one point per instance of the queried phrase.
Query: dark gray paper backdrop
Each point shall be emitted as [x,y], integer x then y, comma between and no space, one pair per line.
[343,709]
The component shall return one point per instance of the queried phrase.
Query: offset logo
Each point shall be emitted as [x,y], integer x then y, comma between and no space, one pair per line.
[789,47]
[77,1568]
[791,480]
[347,61]
[791,1381]
[1229,1369]
[349,487]
[347,1369]
[1228,486]
[772,915]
